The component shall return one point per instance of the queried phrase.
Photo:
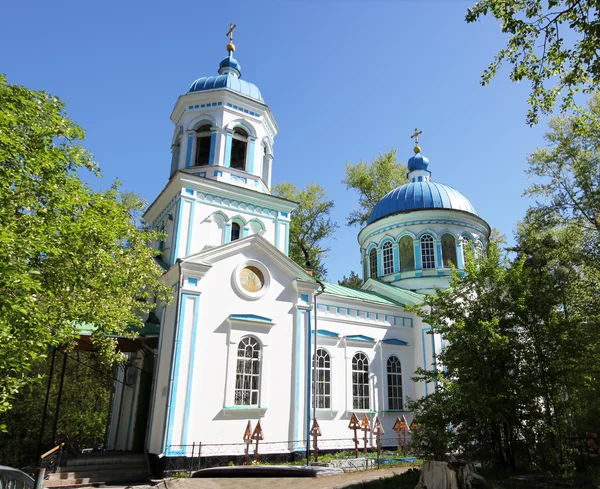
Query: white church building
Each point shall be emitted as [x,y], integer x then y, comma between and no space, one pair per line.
[237,342]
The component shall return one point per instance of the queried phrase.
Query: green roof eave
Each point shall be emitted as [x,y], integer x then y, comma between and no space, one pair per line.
[359,294]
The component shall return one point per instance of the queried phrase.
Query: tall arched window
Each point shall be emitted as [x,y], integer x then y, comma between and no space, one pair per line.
[247,372]
[448,250]
[235,231]
[388,258]
[360,381]
[427,253]
[322,382]
[239,145]
[466,246]
[373,263]
[203,145]
[479,252]
[407,254]
[394,380]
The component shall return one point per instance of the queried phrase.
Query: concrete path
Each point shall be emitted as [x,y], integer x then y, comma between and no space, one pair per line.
[331,482]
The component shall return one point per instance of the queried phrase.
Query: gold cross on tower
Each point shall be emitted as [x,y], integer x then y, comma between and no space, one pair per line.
[230,31]
[231,46]
[416,138]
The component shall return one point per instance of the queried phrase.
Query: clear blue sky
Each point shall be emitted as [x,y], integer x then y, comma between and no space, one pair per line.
[345,81]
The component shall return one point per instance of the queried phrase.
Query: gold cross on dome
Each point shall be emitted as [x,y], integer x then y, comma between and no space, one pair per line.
[230,31]
[416,136]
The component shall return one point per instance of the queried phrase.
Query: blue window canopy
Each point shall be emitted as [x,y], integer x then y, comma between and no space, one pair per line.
[324,332]
[394,341]
[360,337]
[250,317]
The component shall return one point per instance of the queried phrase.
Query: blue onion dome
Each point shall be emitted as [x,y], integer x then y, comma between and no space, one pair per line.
[417,162]
[420,194]
[229,77]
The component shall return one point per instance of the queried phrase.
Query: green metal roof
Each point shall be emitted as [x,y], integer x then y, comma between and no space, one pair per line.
[359,294]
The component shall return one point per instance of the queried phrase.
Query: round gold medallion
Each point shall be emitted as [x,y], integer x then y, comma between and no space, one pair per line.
[252,279]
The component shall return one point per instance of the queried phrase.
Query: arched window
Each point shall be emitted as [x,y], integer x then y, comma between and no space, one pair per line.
[235,231]
[322,382]
[466,245]
[407,254]
[394,380]
[203,137]
[388,258]
[247,372]
[360,381]
[238,149]
[373,263]
[265,165]
[448,250]
[479,252]
[427,253]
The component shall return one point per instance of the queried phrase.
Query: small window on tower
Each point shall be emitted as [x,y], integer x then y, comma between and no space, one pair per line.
[238,149]
[235,231]
[203,137]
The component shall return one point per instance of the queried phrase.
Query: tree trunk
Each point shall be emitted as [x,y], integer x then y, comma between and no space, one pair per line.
[444,475]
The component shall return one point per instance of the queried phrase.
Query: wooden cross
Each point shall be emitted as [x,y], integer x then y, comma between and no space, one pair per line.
[401,428]
[354,425]
[230,32]
[378,431]
[257,435]
[366,427]
[416,136]
[247,441]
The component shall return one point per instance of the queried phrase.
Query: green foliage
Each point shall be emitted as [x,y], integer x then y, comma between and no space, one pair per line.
[522,362]
[311,226]
[70,255]
[83,411]
[353,280]
[552,43]
[372,181]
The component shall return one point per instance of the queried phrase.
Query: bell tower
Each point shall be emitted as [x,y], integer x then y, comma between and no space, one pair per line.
[223,129]
[219,188]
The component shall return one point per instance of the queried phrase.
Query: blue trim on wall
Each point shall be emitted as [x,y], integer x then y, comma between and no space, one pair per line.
[166,426]
[396,258]
[438,249]
[227,233]
[177,229]
[308,374]
[417,246]
[325,332]
[297,378]
[177,352]
[379,264]
[286,226]
[228,139]
[192,281]
[188,152]
[251,156]
[245,231]
[394,341]
[304,297]
[251,317]
[353,313]
[277,234]
[190,383]
[213,146]
[178,234]
[190,228]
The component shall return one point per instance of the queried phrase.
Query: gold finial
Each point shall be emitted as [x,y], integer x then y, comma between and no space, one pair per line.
[417,148]
[231,46]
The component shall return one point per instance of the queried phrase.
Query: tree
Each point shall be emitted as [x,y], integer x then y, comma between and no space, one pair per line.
[311,225]
[552,43]
[70,255]
[353,280]
[372,181]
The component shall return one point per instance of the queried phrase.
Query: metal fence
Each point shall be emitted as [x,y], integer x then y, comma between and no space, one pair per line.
[184,460]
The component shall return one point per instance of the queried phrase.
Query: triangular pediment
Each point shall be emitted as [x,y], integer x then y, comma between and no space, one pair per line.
[258,244]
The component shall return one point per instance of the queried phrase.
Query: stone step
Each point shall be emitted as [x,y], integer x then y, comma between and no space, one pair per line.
[101,475]
[141,464]
[103,458]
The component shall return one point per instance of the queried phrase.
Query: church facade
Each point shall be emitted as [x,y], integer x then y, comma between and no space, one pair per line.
[246,324]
